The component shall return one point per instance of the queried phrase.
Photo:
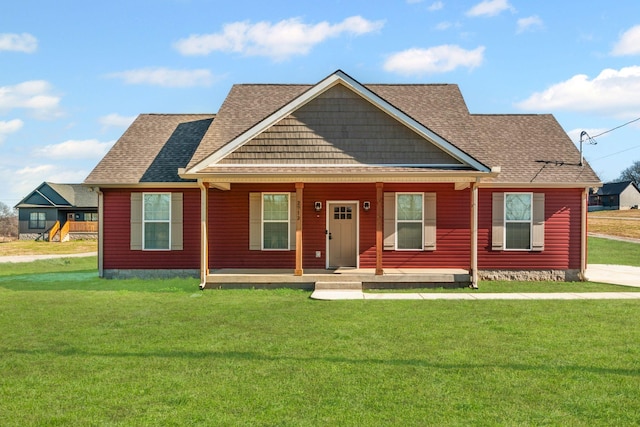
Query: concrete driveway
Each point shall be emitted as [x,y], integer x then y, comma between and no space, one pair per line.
[614,274]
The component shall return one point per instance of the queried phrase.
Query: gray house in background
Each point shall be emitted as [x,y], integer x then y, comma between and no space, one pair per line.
[58,212]
[614,196]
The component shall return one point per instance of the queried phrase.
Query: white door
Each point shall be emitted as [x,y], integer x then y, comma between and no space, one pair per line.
[342,234]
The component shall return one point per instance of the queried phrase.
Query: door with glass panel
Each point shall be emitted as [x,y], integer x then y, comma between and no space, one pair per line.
[342,235]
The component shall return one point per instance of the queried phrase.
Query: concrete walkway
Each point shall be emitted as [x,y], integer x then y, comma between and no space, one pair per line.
[333,295]
[611,274]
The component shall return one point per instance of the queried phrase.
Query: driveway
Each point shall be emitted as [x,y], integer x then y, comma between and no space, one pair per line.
[29,258]
[614,274]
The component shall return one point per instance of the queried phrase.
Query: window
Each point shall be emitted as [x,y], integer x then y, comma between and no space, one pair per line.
[37,220]
[91,216]
[275,221]
[156,221]
[409,221]
[517,220]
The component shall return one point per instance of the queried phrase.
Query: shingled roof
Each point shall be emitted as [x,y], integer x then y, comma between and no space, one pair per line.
[527,148]
[52,194]
[152,149]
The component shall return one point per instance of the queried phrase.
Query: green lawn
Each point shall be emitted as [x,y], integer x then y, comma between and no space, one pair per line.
[605,251]
[77,350]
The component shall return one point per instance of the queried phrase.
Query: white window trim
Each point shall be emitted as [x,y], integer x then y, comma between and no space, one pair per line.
[145,221]
[530,222]
[263,221]
[421,221]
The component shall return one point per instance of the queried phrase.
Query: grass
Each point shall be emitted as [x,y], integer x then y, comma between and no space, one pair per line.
[174,356]
[616,223]
[605,251]
[79,350]
[32,247]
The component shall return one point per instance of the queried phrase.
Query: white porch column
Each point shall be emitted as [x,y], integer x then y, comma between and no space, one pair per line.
[204,238]
[583,234]
[474,235]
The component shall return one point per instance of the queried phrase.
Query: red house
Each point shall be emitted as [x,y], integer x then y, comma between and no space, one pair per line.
[390,183]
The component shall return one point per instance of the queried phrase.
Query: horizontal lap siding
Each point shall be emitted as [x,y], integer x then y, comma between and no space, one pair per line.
[561,234]
[229,227]
[117,234]
[229,230]
[453,216]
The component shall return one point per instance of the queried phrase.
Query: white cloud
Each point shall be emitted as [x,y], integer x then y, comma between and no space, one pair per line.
[34,95]
[438,5]
[26,179]
[530,23]
[612,92]
[277,41]
[9,127]
[24,42]
[116,120]
[75,149]
[629,43]
[436,59]
[490,8]
[165,77]
[445,25]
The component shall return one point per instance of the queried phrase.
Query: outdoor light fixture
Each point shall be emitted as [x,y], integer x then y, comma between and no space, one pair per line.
[366,206]
[317,206]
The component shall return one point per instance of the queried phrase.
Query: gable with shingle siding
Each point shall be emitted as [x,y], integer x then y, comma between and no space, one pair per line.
[339,127]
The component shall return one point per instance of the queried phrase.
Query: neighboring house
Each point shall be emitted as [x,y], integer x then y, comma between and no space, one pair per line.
[615,195]
[394,181]
[58,212]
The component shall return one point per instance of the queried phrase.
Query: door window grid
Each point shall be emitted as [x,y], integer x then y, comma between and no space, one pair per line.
[342,212]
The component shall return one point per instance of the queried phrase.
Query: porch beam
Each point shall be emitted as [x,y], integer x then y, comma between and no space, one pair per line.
[379,224]
[299,204]
[204,238]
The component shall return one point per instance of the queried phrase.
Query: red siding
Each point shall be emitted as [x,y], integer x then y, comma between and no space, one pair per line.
[229,230]
[229,227]
[561,234]
[117,255]
[453,217]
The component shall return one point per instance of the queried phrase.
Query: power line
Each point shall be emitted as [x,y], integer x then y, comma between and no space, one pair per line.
[617,127]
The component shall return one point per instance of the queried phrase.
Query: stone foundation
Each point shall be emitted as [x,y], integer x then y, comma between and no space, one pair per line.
[150,274]
[31,236]
[531,275]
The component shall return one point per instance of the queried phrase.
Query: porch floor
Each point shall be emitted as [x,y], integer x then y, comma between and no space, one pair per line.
[341,278]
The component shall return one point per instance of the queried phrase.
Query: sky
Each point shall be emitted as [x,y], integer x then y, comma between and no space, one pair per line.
[75,74]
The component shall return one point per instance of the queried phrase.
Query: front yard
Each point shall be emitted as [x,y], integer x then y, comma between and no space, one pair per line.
[77,350]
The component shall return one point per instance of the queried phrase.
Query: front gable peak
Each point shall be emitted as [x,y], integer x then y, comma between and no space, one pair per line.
[335,122]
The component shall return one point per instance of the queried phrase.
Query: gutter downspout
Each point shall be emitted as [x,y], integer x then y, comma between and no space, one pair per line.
[474,235]
[583,235]
[204,241]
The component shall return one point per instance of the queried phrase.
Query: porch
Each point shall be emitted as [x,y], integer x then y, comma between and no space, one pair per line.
[342,278]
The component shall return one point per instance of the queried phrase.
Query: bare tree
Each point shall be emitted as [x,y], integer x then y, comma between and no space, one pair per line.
[8,222]
[632,173]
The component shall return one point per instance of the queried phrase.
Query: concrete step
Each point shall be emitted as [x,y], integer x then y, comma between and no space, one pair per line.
[339,285]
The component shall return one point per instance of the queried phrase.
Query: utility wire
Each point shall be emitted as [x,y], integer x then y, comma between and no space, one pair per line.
[617,127]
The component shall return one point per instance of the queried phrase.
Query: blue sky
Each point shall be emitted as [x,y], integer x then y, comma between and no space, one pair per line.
[74,74]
